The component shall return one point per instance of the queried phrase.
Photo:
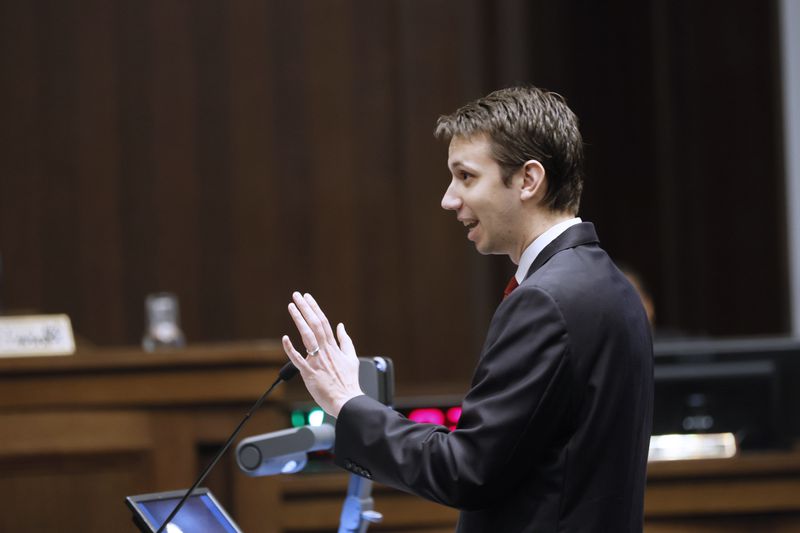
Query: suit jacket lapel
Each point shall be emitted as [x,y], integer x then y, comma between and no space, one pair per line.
[576,235]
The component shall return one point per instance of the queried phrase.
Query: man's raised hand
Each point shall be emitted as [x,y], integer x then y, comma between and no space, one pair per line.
[330,372]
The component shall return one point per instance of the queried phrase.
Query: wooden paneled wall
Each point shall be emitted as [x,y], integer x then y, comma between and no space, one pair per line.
[232,152]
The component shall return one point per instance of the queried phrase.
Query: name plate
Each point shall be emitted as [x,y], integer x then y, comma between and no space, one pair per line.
[36,335]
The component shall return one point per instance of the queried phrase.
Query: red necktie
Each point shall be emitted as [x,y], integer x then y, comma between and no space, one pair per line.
[512,284]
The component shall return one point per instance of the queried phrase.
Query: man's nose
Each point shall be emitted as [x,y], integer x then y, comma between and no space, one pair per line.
[450,200]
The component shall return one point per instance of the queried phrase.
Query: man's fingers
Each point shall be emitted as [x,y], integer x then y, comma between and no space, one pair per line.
[314,322]
[308,336]
[322,318]
[294,356]
[344,340]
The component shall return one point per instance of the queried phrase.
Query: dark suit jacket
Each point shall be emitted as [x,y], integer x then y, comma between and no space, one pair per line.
[555,429]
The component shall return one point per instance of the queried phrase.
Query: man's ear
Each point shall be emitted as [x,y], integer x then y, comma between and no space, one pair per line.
[534,180]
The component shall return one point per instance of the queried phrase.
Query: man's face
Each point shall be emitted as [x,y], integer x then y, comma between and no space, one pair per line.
[488,208]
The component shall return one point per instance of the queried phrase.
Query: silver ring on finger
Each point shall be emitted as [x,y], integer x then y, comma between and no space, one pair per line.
[313,352]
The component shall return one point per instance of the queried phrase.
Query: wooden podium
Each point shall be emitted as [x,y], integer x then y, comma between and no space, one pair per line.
[79,433]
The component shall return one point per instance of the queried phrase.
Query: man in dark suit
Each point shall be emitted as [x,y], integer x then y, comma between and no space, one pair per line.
[555,428]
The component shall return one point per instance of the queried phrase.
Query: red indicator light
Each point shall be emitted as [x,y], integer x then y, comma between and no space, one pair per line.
[453,414]
[427,416]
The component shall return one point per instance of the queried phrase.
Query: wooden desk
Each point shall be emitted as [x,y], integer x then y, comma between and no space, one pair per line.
[81,432]
[753,492]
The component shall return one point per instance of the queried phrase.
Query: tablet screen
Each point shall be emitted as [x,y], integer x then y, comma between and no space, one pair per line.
[200,514]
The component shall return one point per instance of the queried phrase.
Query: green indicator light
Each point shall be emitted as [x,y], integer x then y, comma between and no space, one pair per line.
[298,419]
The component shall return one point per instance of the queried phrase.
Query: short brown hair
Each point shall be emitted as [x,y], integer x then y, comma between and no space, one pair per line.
[525,123]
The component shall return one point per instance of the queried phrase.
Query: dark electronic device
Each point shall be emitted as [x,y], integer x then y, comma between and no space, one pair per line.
[740,386]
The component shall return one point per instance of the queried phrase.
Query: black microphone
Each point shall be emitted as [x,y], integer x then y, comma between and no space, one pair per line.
[287,372]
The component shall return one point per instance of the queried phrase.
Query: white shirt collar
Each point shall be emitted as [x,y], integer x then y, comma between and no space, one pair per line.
[539,243]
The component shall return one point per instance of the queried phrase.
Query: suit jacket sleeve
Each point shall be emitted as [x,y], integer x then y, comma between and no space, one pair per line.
[517,407]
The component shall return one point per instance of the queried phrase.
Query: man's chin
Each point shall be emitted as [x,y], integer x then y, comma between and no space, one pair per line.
[488,250]
[484,250]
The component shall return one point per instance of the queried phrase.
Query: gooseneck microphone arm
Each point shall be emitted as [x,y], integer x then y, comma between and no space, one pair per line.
[287,372]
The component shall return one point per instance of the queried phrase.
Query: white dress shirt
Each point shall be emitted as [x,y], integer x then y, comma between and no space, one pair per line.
[539,243]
